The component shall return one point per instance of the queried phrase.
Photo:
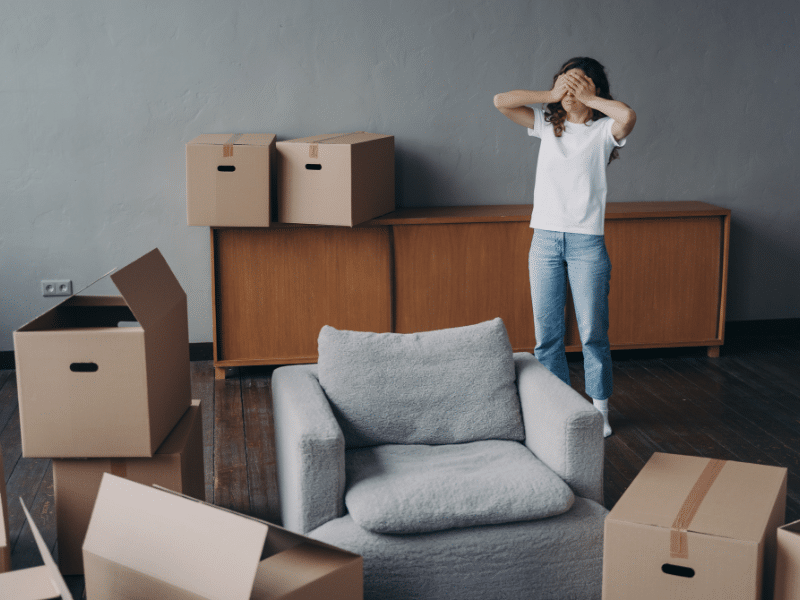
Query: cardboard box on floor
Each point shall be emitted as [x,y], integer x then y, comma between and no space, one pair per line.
[177,465]
[89,386]
[145,542]
[787,576]
[35,583]
[230,180]
[335,179]
[5,547]
[691,527]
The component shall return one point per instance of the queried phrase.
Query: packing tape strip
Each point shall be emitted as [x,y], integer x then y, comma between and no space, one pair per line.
[227,147]
[119,467]
[313,148]
[678,539]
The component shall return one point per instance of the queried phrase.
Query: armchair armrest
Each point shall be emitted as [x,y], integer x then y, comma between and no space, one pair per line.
[309,446]
[561,428]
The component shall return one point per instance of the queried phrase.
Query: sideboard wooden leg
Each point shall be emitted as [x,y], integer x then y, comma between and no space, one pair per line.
[220,372]
[713,351]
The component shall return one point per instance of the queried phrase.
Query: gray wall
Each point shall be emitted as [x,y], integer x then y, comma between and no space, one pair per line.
[97,100]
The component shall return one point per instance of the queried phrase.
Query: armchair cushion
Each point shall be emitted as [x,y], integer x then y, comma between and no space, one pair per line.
[420,488]
[437,387]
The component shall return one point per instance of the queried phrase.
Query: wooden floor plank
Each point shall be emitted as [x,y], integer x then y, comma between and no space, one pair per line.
[230,454]
[260,435]
[26,552]
[202,374]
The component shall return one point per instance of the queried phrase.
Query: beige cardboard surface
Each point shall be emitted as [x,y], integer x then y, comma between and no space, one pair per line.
[787,576]
[336,179]
[264,561]
[5,548]
[176,465]
[36,583]
[89,386]
[727,532]
[239,195]
[176,544]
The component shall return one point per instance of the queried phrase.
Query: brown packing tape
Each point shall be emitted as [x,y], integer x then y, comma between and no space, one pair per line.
[313,149]
[227,147]
[678,540]
[119,467]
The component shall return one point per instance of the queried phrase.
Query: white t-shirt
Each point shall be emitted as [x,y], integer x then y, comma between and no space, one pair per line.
[570,191]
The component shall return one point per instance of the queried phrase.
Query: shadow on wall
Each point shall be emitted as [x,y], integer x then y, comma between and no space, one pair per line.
[771,255]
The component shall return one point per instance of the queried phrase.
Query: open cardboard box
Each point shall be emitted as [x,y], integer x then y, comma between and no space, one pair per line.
[5,546]
[335,179]
[90,386]
[35,583]
[177,465]
[787,576]
[145,542]
[229,179]
[691,527]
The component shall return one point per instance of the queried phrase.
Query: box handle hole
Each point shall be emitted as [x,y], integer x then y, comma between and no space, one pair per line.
[226,168]
[314,167]
[88,367]
[677,570]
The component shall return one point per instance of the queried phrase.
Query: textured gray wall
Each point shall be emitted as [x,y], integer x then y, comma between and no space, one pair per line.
[97,100]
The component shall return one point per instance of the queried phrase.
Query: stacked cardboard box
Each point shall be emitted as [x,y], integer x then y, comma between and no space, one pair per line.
[691,527]
[249,180]
[787,577]
[104,386]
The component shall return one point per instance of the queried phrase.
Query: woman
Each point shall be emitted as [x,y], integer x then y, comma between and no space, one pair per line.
[580,132]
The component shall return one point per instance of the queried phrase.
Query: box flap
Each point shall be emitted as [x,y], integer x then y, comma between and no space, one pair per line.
[355,137]
[37,583]
[149,287]
[736,505]
[244,139]
[183,543]
[176,440]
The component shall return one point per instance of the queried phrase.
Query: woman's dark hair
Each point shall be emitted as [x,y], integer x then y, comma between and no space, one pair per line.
[556,114]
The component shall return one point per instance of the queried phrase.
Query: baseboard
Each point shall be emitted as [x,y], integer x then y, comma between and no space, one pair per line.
[733,330]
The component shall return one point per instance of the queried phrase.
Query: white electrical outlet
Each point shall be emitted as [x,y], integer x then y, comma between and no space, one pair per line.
[56,287]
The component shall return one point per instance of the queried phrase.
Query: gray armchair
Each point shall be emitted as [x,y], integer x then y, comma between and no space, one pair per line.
[486,552]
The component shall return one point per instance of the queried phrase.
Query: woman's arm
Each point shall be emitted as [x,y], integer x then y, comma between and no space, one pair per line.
[623,115]
[514,104]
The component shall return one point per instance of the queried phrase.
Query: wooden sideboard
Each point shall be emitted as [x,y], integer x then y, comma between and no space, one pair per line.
[432,268]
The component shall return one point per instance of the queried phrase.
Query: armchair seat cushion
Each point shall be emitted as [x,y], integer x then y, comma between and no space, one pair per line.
[419,488]
[436,387]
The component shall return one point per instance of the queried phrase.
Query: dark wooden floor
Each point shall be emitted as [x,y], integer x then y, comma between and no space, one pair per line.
[742,406]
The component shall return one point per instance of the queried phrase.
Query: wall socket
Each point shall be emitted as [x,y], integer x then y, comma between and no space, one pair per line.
[57,287]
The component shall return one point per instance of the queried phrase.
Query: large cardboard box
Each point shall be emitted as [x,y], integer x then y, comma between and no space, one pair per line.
[336,179]
[145,542]
[35,583]
[230,180]
[787,576]
[177,465]
[5,545]
[691,527]
[90,386]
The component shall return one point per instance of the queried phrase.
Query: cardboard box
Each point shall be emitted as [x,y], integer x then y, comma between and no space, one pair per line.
[335,179]
[89,386]
[787,575]
[35,583]
[691,527]
[145,542]
[5,546]
[229,179]
[177,465]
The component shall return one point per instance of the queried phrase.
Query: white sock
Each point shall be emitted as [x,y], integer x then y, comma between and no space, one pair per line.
[602,406]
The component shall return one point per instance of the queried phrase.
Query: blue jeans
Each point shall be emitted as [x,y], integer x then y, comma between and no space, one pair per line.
[553,258]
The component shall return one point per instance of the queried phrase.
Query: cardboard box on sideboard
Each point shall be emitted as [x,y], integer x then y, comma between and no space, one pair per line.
[787,575]
[5,547]
[177,465]
[230,180]
[691,527]
[335,179]
[89,385]
[144,542]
